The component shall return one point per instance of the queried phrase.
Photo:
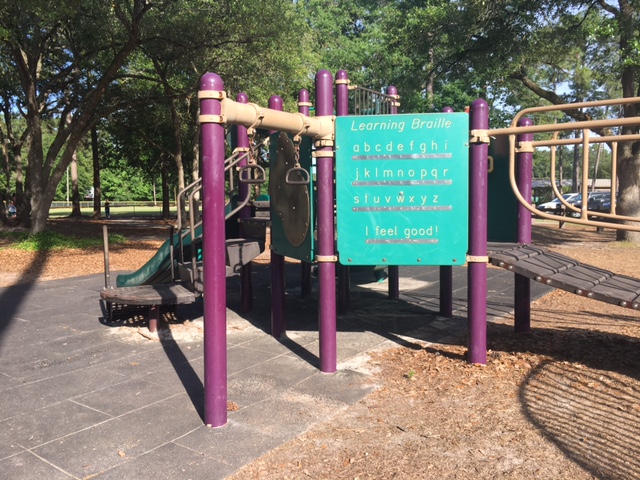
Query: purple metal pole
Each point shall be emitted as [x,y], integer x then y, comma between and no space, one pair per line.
[326,237]
[446,276]
[344,273]
[522,294]
[304,104]
[477,270]
[278,320]
[214,258]
[394,271]
[246,287]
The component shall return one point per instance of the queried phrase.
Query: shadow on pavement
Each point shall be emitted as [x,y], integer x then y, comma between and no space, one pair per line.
[13,298]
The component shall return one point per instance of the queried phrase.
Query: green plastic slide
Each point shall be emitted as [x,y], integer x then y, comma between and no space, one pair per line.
[158,268]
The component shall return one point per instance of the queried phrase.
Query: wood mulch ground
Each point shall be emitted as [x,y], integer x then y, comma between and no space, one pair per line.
[561,402]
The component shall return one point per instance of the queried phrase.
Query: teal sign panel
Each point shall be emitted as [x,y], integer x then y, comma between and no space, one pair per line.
[402,189]
[502,205]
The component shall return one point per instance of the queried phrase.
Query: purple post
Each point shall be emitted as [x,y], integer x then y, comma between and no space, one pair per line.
[246,287]
[344,272]
[394,271]
[214,257]
[446,276]
[522,294]
[278,320]
[477,268]
[326,228]
[304,104]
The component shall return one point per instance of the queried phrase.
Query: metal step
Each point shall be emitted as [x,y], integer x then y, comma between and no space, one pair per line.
[240,251]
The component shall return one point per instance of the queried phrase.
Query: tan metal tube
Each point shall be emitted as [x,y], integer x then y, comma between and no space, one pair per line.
[253,116]
[577,141]
[575,106]
[591,124]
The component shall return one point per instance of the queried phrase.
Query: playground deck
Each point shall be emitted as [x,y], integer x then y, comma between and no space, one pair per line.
[560,271]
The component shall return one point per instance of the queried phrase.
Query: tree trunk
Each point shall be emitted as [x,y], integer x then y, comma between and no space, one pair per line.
[629,188]
[76,211]
[5,193]
[97,189]
[22,201]
[166,199]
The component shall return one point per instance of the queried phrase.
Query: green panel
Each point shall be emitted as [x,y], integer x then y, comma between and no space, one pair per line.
[502,205]
[402,189]
[292,203]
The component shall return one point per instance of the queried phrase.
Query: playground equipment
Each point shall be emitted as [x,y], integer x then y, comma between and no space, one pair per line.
[217,110]
[409,189]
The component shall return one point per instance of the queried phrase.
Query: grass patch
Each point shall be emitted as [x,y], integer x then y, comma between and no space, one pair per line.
[45,241]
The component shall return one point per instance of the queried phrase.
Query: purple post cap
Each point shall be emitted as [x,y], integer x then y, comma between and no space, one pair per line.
[303,95]
[447,110]
[525,122]
[211,81]
[341,75]
[242,97]
[324,93]
[478,116]
[275,102]
[392,90]
[323,75]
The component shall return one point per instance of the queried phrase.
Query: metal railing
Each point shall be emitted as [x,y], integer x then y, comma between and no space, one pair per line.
[612,134]
[249,174]
[364,101]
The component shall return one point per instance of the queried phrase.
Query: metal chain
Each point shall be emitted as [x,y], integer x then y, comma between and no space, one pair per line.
[296,150]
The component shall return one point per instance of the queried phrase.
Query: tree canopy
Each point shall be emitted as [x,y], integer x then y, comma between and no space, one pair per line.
[132,67]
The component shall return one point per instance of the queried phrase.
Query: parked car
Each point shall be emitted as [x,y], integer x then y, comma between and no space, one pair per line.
[556,207]
[600,202]
[593,202]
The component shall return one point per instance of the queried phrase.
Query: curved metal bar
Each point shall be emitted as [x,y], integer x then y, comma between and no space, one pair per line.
[304,173]
[586,141]
[181,193]
[249,180]
[245,200]
[234,159]
[192,232]
[574,106]
[578,221]
[614,144]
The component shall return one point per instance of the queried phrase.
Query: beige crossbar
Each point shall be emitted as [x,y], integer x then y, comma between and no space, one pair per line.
[252,115]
